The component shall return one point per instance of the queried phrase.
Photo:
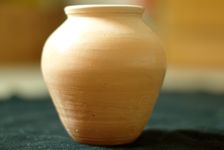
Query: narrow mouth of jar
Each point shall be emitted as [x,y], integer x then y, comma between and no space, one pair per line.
[83,9]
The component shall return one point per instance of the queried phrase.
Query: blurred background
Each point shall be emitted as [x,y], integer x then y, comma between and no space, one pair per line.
[192,33]
[189,113]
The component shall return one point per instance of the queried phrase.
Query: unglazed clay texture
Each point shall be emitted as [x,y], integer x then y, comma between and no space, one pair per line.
[104,69]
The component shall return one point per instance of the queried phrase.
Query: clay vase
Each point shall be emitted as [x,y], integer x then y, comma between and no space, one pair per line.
[104,69]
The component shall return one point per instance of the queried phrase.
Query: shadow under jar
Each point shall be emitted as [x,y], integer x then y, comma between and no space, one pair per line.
[104,69]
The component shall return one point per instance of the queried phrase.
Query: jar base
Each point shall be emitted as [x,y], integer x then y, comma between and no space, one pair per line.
[104,142]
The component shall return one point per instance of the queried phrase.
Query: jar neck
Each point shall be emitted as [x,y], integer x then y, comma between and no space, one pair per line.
[104,10]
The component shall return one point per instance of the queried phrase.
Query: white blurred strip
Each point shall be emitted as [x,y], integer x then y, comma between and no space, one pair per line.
[193,80]
[26,81]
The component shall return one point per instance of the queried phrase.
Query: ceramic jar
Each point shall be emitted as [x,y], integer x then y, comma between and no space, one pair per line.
[104,69]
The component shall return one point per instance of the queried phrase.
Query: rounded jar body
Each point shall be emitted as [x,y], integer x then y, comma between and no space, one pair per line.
[104,69]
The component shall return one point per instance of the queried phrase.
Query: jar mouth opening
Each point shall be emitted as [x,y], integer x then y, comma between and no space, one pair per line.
[82,9]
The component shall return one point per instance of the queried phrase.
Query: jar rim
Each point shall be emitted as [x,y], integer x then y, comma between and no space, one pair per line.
[79,9]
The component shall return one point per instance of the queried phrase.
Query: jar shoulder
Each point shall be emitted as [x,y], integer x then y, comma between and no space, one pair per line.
[83,29]
[103,40]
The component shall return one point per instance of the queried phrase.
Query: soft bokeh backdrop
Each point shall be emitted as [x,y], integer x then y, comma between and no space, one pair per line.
[192,33]
[189,112]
